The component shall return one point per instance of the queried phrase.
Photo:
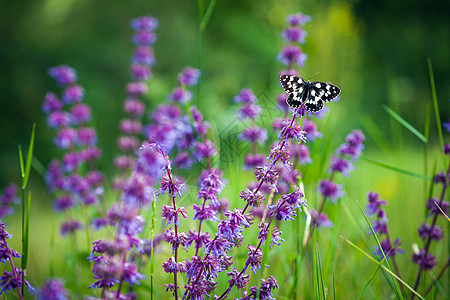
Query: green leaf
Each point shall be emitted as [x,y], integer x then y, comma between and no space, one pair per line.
[435,103]
[384,268]
[405,124]
[22,168]
[395,169]
[399,294]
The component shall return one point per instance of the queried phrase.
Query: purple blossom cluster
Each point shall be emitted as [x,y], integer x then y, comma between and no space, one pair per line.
[115,260]
[7,199]
[254,134]
[75,179]
[180,127]
[429,232]
[140,70]
[294,35]
[341,163]
[10,280]
[375,209]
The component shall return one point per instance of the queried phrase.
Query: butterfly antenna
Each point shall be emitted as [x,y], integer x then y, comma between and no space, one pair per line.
[313,75]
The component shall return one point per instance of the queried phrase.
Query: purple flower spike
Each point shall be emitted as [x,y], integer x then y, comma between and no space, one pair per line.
[341,165]
[330,190]
[70,227]
[254,134]
[434,233]
[240,281]
[249,111]
[431,206]
[73,94]
[293,131]
[51,103]
[390,250]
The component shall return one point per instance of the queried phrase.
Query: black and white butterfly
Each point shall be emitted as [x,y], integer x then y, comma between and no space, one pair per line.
[312,94]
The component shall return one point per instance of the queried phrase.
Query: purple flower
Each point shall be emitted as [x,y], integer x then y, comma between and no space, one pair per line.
[130,126]
[81,113]
[140,72]
[424,259]
[134,107]
[353,145]
[298,19]
[282,211]
[447,125]
[138,190]
[249,110]
[252,161]
[73,94]
[58,119]
[144,38]
[13,280]
[266,288]
[375,205]
[431,206]
[427,231]
[189,76]
[254,258]
[200,240]
[237,279]
[293,131]
[303,155]
[63,75]
[311,130]
[137,88]
[144,55]
[144,23]
[219,246]
[294,34]
[245,96]
[127,143]
[171,266]
[266,174]
[254,134]
[330,190]
[70,227]
[180,95]
[206,149]
[171,214]
[65,138]
[51,103]
[7,199]
[447,148]
[292,54]
[280,154]
[63,203]
[320,220]
[253,199]
[53,289]
[171,185]
[389,249]
[439,178]
[341,165]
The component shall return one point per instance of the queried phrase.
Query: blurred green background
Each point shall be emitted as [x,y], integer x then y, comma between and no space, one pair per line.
[375,51]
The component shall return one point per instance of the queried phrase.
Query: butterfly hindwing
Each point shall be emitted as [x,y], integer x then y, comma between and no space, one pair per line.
[291,83]
[294,99]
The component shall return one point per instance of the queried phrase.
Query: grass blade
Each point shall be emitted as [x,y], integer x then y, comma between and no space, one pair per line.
[405,124]
[29,158]
[384,268]
[395,169]
[208,13]
[399,294]
[435,103]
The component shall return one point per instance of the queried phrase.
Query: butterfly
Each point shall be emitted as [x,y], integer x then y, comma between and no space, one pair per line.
[312,94]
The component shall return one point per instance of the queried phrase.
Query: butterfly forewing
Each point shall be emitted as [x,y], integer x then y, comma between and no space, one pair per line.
[325,90]
[291,83]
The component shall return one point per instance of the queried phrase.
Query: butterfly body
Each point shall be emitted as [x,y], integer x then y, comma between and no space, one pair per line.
[311,94]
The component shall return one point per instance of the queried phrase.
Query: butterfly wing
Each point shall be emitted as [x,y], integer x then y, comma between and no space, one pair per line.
[294,99]
[325,91]
[291,83]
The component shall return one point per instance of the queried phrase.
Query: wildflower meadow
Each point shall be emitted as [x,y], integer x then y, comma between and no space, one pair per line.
[246,153]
